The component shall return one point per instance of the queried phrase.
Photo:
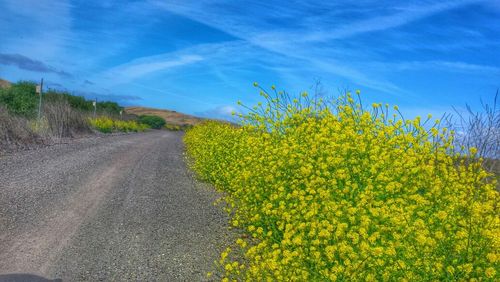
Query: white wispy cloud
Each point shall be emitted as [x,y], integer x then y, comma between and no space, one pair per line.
[63,32]
[39,29]
[172,93]
[223,112]
[354,44]
[330,20]
[405,16]
[450,66]
[254,25]
[441,66]
[143,66]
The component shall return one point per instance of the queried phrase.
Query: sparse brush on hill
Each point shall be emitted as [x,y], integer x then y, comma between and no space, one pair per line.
[334,191]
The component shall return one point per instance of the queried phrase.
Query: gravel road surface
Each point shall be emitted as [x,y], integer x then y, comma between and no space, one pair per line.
[108,208]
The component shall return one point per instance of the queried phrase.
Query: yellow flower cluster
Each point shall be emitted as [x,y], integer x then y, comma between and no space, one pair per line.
[108,125]
[332,191]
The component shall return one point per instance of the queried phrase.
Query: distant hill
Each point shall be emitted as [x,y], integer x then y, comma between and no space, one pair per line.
[4,83]
[171,117]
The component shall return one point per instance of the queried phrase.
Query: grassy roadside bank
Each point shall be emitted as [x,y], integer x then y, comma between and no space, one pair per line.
[62,116]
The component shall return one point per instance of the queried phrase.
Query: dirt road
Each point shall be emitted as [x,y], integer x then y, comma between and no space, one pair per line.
[109,208]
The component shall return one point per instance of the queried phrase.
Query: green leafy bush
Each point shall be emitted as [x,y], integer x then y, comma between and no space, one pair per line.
[108,107]
[82,104]
[76,102]
[20,98]
[154,122]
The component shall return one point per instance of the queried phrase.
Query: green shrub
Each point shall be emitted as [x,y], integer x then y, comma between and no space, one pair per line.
[110,108]
[154,122]
[80,103]
[20,98]
[76,102]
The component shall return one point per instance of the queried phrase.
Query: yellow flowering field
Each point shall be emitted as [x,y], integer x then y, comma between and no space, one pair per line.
[108,125]
[332,190]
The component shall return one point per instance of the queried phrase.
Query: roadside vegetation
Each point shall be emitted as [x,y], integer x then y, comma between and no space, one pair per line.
[108,125]
[154,122]
[21,99]
[62,116]
[333,190]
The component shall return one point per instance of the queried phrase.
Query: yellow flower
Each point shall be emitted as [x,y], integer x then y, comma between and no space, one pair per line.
[492,257]
[490,272]
[442,215]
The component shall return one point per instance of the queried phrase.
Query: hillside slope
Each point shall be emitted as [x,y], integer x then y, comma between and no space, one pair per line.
[171,117]
[4,83]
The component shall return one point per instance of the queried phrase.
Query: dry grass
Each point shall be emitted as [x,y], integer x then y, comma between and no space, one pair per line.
[64,121]
[16,131]
[59,121]
[171,117]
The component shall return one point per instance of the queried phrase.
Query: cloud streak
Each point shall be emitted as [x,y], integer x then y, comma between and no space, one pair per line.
[29,64]
[124,100]
[202,55]
[407,15]
[219,112]
[144,66]
[454,66]
[299,42]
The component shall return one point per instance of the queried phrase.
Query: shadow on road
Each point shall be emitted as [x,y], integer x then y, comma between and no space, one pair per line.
[23,277]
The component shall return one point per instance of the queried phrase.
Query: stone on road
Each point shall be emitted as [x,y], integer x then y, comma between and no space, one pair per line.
[108,208]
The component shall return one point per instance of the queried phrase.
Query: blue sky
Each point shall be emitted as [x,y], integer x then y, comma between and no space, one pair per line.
[201,57]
